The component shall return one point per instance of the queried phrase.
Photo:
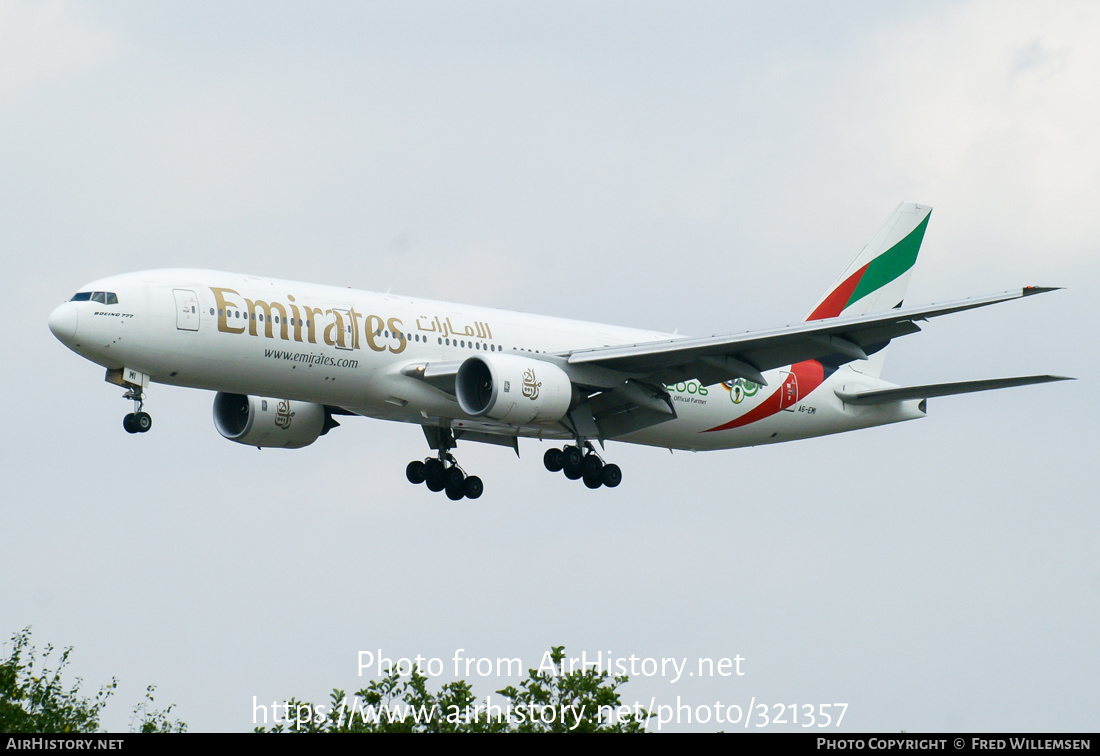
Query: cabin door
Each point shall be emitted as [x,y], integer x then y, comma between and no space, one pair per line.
[187,310]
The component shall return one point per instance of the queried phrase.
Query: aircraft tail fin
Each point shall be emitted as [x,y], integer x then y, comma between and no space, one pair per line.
[878,277]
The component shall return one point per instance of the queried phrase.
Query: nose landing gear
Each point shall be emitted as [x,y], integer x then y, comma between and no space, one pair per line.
[136,421]
[583,463]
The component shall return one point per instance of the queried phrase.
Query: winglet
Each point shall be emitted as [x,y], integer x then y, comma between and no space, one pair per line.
[1030,290]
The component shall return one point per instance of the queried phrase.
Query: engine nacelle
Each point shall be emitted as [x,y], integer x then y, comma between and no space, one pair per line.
[273,423]
[513,389]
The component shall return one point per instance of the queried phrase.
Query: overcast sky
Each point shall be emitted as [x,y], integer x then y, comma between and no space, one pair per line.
[706,167]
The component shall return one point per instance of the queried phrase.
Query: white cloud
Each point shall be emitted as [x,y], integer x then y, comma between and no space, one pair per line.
[988,106]
[45,41]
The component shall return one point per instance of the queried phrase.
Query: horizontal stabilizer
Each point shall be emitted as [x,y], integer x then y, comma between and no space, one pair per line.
[904,393]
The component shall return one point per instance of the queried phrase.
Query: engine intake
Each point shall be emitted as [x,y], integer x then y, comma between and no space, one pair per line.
[272,423]
[513,389]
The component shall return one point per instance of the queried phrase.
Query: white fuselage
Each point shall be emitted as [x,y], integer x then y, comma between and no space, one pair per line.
[346,348]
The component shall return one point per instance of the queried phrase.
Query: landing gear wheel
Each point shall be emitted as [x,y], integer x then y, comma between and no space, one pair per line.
[143,422]
[592,466]
[572,462]
[455,478]
[434,475]
[552,460]
[128,423]
[571,456]
[611,475]
[473,487]
[415,472]
[456,492]
[593,480]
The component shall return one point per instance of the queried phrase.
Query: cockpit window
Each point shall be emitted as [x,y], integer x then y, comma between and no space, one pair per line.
[103,297]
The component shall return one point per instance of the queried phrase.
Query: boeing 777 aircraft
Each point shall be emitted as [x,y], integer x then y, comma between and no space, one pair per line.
[285,358]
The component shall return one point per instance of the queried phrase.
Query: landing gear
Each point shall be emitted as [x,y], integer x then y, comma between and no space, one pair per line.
[583,464]
[552,460]
[415,472]
[444,474]
[136,421]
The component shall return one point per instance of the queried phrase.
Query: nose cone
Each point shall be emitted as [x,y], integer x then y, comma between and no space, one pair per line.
[63,323]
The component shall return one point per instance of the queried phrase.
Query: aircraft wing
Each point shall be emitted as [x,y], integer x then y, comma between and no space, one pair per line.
[903,393]
[714,359]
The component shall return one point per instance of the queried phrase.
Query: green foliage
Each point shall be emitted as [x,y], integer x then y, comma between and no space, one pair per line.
[587,691]
[578,701]
[33,698]
[147,718]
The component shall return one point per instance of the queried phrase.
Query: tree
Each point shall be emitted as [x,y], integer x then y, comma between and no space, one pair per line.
[587,700]
[33,698]
[594,693]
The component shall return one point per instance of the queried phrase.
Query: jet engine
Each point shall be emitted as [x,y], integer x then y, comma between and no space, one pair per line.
[513,389]
[273,423]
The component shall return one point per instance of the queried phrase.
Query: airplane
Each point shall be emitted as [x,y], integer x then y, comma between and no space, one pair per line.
[286,358]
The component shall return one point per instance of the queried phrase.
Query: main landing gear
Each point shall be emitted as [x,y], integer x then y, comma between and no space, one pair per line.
[444,474]
[136,421]
[583,463]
